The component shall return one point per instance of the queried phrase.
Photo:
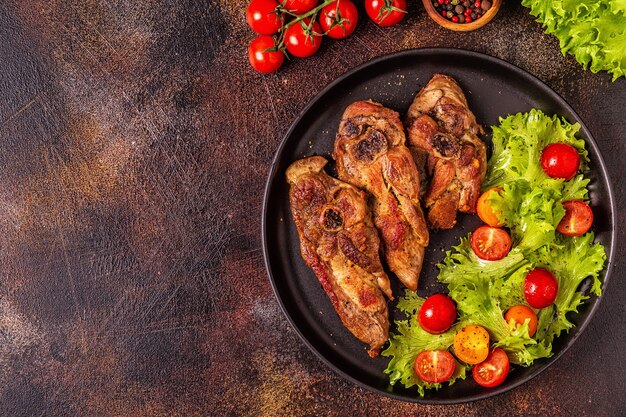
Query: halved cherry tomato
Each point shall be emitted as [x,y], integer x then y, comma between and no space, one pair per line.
[540,288]
[471,344]
[300,43]
[262,17]
[434,365]
[493,370]
[519,314]
[343,15]
[485,212]
[437,314]
[577,220]
[490,243]
[299,6]
[386,12]
[260,58]
[560,160]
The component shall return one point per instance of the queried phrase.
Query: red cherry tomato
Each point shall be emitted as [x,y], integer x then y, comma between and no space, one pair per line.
[434,366]
[301,44]
[490,243]
[299,6]
[560,160]
[519,314]
[485,212]
[493,370]
[343,15]
[260,58]
[262,18]
[386,12]
[437,314]
[540,288]
[577,220]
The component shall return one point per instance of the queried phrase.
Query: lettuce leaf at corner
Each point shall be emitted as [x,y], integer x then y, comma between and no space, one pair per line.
[594,31]
[409,340]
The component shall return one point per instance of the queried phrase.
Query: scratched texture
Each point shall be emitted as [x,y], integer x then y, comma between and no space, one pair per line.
[134,145]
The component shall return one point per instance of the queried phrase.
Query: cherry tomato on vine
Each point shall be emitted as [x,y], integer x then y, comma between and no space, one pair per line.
[386,12]
[577,220]
[493,370]
[490,243]
[519,314]
[560,160]
[301,41]
[437,314]
[262,17]
[485,212]
[260,58]
[540,288]
[299,6]
[434,366]
[339,19]
[471,344]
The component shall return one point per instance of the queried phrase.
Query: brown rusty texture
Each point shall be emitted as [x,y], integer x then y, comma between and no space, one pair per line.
[134,144]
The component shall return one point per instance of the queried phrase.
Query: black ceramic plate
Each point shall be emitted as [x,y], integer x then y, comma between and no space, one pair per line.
[493,88]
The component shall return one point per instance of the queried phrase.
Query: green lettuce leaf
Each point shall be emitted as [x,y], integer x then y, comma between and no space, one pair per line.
[594,31]
[410,340]
[572,260]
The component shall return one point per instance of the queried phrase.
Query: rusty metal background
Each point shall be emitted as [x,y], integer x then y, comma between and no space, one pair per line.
[134,144]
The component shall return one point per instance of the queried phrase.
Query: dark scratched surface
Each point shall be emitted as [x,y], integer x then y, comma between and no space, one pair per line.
[134,144]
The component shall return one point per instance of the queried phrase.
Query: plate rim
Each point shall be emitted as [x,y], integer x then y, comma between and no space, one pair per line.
[598,160]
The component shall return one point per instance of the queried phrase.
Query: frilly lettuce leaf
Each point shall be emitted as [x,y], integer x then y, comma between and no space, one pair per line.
[517,145]
[410,340]
[594,31]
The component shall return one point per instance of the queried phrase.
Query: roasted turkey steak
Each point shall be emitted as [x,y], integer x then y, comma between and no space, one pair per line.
[339,243]
[371,154]
[443,138]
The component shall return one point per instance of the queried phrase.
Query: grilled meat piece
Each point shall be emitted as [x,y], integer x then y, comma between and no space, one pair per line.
[370,154]
[339,243]
[443,138]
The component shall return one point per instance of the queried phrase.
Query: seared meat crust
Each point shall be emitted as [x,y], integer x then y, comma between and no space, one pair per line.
[339,243]
[371,154]
[443,138]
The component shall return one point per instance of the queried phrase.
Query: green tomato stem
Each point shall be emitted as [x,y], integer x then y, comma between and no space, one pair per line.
[307,14]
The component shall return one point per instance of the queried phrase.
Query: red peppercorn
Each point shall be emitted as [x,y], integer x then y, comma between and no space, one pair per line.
[444,14]
[468,20]
[447,1]
[477,4]
[441,1]
[455,19]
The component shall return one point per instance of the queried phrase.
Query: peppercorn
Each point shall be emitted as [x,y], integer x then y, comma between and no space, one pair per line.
[485,5]
[461,19]
[473,15]
[455,19]
[459,9]
[450,14]
[448,7]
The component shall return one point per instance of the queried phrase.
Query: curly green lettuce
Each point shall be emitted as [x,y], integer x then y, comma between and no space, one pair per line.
[594,31]
[530,205]
[410,340]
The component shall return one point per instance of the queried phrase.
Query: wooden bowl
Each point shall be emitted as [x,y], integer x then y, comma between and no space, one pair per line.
[462,27]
